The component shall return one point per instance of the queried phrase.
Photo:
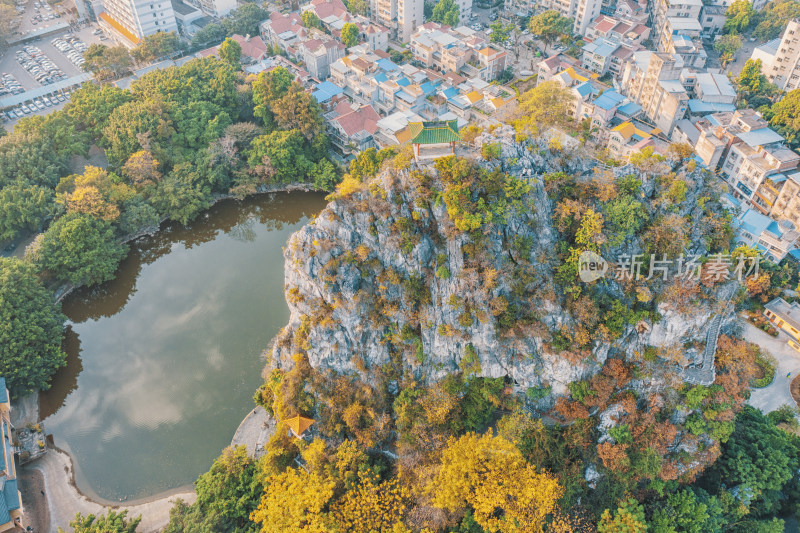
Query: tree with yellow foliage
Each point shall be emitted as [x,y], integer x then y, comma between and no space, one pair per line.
[548,104]
[89,201]
[489,474]
[628,518]
[294,502]
[371,506]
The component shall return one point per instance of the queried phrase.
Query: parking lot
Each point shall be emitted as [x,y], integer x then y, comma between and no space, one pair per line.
[40,16]
[63,55]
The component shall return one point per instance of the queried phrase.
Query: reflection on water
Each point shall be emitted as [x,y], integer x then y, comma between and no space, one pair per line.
[163,361]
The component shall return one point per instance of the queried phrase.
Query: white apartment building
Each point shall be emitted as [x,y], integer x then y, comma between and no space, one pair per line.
[583,12]
[135,19]
[780,59]
[653,80]
[216,8]
[400,16]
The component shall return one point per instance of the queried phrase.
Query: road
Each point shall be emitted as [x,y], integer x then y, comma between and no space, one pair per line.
[777,393]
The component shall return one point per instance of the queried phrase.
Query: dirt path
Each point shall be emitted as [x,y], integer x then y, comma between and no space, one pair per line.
[31,485]
[254,432]
[63,499]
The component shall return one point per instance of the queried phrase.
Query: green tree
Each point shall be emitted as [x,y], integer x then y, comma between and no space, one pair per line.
[244,20]
[774,18]
[628,518]
[500,31]
[311,20]
[112,523]
[230,52]
[81,250]
[283,155]
[758,462]
[740,17]
[784,116]
[687,511]
[268,88]
[549,26]
[446,12]
[298,110]
[752,86]
[349,34]
[156,46]
[24,207]
[727,46]
[211,34]
[183,194]
[226,495]
[107,63]
[30,329]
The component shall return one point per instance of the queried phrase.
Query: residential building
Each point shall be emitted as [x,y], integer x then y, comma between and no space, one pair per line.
[622,30]
[633,136]
[377,37]
[318,54]
[10,497]
[787,204]
[635,10]
[458,50]
[401,17]
[784,68]
[215,8]
[712,19]
[351,128]
[785,316]
[582,12]
[283,31]
[132,20]
[653,80]
[773,239]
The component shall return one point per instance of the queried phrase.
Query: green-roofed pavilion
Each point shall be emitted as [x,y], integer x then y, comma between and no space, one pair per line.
[438,133]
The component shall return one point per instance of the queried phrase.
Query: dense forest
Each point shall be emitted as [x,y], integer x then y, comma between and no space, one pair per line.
[177,140]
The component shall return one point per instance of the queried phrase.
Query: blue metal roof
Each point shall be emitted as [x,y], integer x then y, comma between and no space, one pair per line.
[760,137]
[381,77]
[450,93]
[326,90]
[406,97]
[699,106]
[386,64]
[584,89]
[630,109]
[608,100]
[428,88]
[403,82]
[3,390]
[754,222]
[795,253]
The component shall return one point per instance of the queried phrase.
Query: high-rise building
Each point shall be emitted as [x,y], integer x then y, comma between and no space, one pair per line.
[583,12]
[783,68]
[401,17]
[135,19]
[653,80]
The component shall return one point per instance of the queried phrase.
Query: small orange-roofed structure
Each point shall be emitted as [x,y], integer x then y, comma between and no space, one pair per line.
[299,424]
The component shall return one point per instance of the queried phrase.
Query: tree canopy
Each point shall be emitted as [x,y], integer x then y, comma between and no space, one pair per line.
[30,329]
[349,34]
[446,12]
[549,26]
[113,522]
[230,51]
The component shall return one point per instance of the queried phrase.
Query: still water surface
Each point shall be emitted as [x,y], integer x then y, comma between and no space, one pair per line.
[163,360]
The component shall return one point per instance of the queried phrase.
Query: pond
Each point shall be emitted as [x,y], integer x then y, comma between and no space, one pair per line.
[163,360]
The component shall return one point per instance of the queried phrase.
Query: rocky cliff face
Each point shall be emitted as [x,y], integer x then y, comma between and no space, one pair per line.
[383,275]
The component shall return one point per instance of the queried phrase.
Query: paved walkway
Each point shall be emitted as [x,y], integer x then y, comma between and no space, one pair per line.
[64,500]
[777,393]
[254,432]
